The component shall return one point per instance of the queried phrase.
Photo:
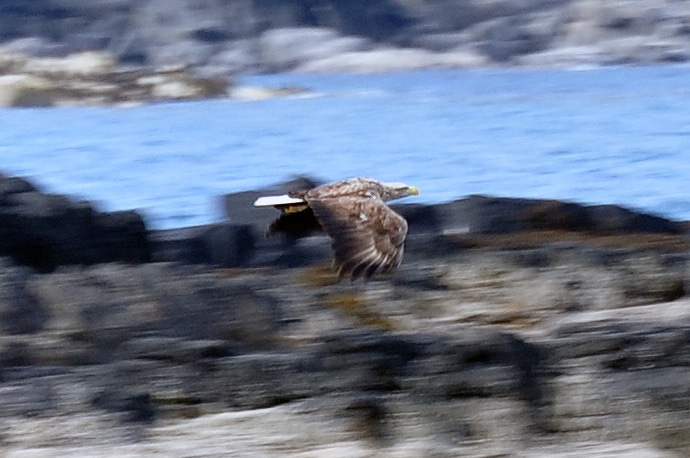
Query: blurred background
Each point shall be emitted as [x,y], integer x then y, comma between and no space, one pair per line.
[250,36]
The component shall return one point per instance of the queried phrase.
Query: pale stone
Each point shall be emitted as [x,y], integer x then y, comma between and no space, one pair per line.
[286,48]
[26,91]
[89,63]
[82,64]
[390,59]
[250,93]
[175,90]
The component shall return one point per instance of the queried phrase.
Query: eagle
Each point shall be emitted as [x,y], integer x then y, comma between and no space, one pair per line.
[367,236]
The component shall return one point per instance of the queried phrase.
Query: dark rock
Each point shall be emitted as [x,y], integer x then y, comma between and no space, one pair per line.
[177,349]
[249,381]
[421,219]
[627,346]
[229,313]
[291,254]
[14,185]
[537,257]
[364,360]
[494,364]
[223,245]
[497,215]
[120,236]
[16,354]
[45,231]
[438,368]
[637,363]
[493,215]
[420,276]
[229,245]
[668,387]
[184,245]
[136,407]
[139,408]
[20,313]
[376,19]
[369,415]
[614,219]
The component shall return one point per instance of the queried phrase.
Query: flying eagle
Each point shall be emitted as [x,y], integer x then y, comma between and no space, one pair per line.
[367,235]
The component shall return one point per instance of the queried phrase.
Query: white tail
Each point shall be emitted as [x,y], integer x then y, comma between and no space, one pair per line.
[272,201]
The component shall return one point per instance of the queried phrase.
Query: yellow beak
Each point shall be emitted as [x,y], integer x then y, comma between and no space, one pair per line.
[413,191]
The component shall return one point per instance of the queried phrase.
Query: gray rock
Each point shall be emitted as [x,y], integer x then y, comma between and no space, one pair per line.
[284,49]
[35,396]
[249,381]
[178,303]
[637,364]
[14,185]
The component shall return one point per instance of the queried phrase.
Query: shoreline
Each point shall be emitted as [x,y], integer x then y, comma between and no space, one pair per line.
[108,52]
[95,78]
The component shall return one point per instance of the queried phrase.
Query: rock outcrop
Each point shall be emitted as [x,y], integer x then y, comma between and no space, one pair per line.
[45,231]
[94,78]
[542,337]
[448,365]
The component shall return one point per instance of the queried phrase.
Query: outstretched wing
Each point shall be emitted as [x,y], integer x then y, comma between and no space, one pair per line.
[368,236]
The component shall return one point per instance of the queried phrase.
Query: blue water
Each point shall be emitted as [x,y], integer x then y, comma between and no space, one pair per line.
[614,135]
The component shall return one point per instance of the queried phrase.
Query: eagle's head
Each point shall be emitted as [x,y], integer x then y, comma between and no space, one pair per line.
[397,191]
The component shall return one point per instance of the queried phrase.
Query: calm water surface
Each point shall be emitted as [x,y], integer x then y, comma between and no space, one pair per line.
[615,135]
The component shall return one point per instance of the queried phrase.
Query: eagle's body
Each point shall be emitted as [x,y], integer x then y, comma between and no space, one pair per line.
[367,235]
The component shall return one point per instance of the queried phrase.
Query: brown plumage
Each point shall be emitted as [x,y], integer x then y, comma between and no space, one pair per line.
[368,237]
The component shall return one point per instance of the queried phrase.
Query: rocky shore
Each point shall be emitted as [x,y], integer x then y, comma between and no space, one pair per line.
[56,52]
[352,35]
[515,327]
[95,78]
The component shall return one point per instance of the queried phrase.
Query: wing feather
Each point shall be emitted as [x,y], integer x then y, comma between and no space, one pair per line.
[367,236]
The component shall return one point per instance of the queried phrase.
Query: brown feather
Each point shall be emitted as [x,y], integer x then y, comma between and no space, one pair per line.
[368,236]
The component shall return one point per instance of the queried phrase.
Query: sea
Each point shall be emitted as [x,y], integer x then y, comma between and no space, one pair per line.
[614,135]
